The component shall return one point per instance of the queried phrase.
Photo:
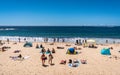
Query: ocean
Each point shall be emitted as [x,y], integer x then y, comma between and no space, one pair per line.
[69,33]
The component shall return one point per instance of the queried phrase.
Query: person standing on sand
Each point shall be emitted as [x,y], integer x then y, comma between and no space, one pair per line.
[43,58]
[63,40]
[106,41]
[57,39]
[24,39]
[53,39]
[19,39]
[8,40]
[50,58]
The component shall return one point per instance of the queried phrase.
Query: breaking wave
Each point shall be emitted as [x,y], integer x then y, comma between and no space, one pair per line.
[2,29]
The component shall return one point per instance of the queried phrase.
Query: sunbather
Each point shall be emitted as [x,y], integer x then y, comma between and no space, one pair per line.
[3,49]
[16,51]
[60,47]
[83,61]
[75,61]
[19,57]
[63,62]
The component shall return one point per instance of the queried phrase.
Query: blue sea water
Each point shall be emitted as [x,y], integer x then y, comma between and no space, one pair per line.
[61,31]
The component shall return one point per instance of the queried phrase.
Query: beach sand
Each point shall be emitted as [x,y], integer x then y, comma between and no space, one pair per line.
[97,64]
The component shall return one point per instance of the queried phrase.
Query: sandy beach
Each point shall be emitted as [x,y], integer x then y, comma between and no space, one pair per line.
[97,64]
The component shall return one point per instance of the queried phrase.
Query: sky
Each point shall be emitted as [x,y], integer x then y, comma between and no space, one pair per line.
[60,12]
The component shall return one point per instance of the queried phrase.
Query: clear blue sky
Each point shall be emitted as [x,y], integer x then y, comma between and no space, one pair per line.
[60,12]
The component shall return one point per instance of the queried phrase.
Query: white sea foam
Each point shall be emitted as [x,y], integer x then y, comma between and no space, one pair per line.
[72,40]
[7,29]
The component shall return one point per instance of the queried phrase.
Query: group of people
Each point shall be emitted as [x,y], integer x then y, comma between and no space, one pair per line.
[54,40]
[44,58]
[48,50]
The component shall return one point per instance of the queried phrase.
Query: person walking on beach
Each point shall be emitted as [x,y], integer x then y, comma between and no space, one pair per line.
[24,39]
[8,40]
[63,40]
[106,41]
[43,58]
[54,40]
[57,39]
[50,58]
[19,39]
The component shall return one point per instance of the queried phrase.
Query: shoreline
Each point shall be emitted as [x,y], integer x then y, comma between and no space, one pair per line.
[69,40]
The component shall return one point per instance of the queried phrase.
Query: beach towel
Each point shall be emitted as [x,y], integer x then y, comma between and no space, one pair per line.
[26,57]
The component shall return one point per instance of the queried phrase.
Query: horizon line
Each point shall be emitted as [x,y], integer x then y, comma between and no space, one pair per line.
[64,25]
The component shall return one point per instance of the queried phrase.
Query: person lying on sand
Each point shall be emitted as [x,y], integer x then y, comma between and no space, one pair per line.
[83,61]
[75,61]
[19,57]
[3,49]
[17,51]
[60,47]
[63,62]
[68,45]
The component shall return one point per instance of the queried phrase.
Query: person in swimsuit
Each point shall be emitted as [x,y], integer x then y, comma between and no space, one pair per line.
[50,58]
[43,58]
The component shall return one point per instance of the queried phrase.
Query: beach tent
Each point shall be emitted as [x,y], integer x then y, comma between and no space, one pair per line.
[71,51]
[105,51]
[28,44]
[91,41]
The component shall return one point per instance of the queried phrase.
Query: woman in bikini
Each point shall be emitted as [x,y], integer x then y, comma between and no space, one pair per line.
[43,58]
[50,58]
